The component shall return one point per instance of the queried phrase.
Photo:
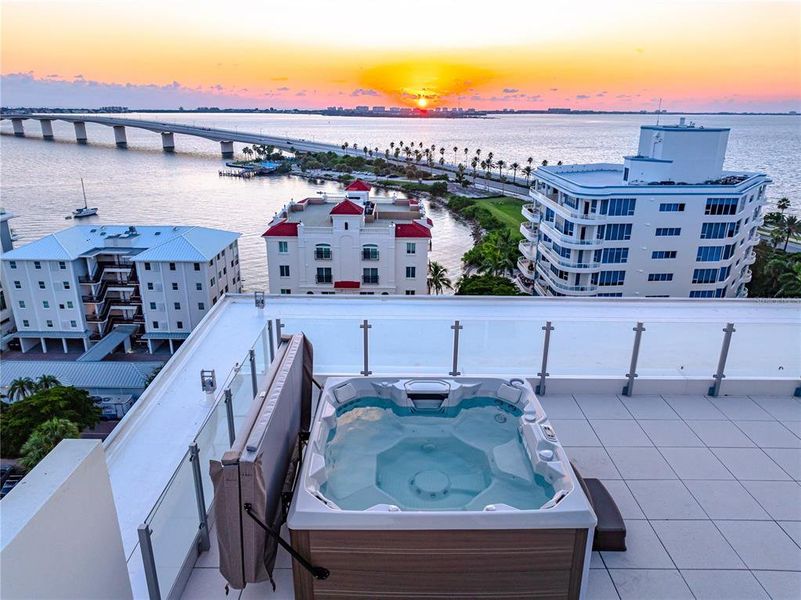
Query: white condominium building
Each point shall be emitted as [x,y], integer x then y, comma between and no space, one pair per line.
[155,282]
[6,314]
[350,244]
[669,221]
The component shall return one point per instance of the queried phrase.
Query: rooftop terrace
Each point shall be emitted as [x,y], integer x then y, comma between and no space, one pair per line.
[702,452]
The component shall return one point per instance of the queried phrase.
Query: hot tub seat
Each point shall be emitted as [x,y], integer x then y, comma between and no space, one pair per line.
[610,532]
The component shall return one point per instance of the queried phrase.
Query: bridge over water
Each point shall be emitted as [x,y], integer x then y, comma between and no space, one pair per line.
[167,131]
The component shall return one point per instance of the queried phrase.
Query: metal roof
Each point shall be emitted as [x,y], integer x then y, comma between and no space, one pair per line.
[106,346]
[86,375]
[152,242]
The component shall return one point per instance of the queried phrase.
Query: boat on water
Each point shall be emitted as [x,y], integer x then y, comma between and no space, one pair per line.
[84,211]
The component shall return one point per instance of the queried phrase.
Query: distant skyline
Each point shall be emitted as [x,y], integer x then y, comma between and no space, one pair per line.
[738,55]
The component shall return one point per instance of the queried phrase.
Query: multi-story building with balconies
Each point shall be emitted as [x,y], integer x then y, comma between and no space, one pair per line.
[348,245]
[669,221]
[77,285]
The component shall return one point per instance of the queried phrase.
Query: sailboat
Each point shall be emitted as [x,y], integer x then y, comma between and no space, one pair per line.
[84,211]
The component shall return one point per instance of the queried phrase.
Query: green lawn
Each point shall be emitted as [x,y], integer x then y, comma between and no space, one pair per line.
[505,209]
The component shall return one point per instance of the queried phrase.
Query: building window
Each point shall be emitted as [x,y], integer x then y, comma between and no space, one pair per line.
[62,265]
[660,276]
[411,272]
[155,324]
[70,304]
[66,285]
[324,275]
[618,207]
[199,286]
[702,294]
[61,307]
[73,324]
[197,266]
[610,295]
[201,306]
[179,324]
[660,254]
[150,285]
[211,282]
[22,304]
[668,231]
[172,266]
[724,273]
[322,252]
[705,275]
[720,206]
[177,305]
[12,264]
[147,266]
[283,270]
[709,253]
[615,255]
[42,285]
[37,264]
[369,252]
[369,275]
[25,323]
[609,278]
[287,291]
[152,306]
[45,304]
[346,225]
[411,248]
[618,231]
[49,323]
[18,285]
[671,207]
[175,286]
[283,247]
[410,292]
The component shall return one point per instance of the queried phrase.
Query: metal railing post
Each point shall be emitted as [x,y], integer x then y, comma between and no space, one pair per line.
[548,328]
[278,327]
[229,413]
[149,560]
[270,336]
[253,379]
[194,458]
[366,346]
[724,354]
[628,389]
[456,329]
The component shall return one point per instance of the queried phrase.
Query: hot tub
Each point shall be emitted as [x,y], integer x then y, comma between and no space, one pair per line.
[454,486]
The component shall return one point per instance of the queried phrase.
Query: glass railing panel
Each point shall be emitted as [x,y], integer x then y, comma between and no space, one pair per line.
[503,347]
[411,346]
[174,525]
[212,442]
[769,350]
[679,349]
[602,348]
[337,342]
[261,351]
[241,393]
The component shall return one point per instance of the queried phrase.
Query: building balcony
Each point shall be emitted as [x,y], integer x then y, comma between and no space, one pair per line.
[524,284]
[528,249]
[564,287]
[569,240]
[747,276]
[750,259]
[531,213]
[568,212]
[369,280]
[526,267]
[566,263]
[529,231]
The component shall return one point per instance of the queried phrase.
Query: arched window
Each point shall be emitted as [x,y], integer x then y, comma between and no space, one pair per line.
[322,252]
[370,252]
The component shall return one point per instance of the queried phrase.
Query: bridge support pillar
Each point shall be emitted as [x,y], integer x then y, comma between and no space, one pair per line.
[227,149]
[80,132]
[47,129]
[168,141]
[19,130]
[119,136]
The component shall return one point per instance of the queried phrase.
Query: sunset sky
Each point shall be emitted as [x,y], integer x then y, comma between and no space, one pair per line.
[722,55]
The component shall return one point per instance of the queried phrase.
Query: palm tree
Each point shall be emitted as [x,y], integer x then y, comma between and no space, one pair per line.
[530,160]
[790,282]
[527,170]
[438,279]
[44,438]
[466,152]
[45,382]
[247,151]
[514,166]
[776,237]
[500,164]
[455,151]
[345,146]
[474,164]
[790,228]
[774,219]
[783,204]
[20,388]
[545,163]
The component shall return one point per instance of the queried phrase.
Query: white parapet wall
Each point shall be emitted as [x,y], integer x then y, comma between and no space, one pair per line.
[59,535]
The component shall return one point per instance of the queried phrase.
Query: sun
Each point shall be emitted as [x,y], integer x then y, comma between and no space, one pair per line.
[422,102]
